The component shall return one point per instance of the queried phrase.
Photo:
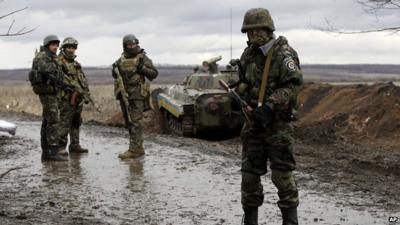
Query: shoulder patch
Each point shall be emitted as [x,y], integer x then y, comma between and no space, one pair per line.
[290,64]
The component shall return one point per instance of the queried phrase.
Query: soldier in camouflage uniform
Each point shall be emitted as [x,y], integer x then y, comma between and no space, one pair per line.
[45,64]
[135,67]
[70,113]
[271,135]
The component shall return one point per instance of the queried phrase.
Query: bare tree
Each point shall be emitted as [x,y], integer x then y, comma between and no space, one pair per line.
[10,31]
[370,7]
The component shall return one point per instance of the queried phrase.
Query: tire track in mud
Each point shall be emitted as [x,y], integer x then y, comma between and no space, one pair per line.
[179,181]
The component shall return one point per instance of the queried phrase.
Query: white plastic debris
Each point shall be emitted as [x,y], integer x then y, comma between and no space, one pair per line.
[8,127]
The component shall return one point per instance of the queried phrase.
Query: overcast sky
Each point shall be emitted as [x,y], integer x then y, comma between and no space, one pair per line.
[188,32]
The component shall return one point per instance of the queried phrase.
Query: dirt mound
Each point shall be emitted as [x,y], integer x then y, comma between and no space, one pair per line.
[330,113]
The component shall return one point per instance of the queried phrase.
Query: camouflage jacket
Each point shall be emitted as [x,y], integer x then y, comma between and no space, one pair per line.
[284,80]
[73,70]
[134,71]
[45,64]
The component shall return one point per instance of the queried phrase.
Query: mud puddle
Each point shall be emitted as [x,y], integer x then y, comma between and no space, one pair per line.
[179,181]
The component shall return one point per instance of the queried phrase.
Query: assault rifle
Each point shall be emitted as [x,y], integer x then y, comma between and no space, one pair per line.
[122,95]
[243,104]
[63,82]
[79,91]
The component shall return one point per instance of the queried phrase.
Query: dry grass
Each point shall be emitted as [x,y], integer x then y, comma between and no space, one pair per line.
[20,98]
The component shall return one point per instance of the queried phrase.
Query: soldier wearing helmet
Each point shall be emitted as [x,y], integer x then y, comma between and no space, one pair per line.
[70,112]
[136,69]
[45,64]
[270,136]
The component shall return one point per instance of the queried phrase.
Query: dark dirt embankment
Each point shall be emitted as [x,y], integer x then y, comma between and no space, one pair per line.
[350,134]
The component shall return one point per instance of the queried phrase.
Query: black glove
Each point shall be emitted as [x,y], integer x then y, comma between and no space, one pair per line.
[77,65]
[262,116]
[234,62]
[141,64]
[114,75]
[235,105]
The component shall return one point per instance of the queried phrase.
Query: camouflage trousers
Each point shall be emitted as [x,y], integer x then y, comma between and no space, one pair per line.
[275,145]
[70,122]
[49,136]
[136,130]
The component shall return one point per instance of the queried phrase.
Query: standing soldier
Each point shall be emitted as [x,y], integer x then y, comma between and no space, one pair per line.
[71,104]
[45,74]
[131,89]
[271,83]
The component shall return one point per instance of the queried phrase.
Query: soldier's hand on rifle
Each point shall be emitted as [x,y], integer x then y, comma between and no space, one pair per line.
[114,75]
[141,64]
[77,65]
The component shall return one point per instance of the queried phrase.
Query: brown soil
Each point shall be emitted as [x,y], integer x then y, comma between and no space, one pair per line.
[356,112]
[349,135]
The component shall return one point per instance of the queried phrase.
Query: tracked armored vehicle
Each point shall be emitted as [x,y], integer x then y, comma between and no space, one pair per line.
[199,104]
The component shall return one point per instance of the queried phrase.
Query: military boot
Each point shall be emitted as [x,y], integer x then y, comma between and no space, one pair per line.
[138,151]
[289,216]
[250,216]
[77,149]
[132,153]
[63,152]
[54,156]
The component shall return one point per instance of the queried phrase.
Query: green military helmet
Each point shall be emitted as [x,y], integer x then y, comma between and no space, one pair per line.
[129,38]
[50,38]
[69,41]
[257,18]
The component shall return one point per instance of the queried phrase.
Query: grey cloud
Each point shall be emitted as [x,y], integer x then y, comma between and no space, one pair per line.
[181,17]
[181,30]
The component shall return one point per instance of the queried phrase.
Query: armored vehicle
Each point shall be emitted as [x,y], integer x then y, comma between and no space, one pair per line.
[199,104]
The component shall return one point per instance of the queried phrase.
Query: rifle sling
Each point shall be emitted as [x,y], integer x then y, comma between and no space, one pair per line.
[263,86]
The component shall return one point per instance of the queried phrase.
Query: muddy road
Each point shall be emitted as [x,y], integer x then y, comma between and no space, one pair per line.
[178,181]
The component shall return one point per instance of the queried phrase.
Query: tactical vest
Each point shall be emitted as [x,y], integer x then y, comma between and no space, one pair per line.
[74,71]
[134,82]
[128,69]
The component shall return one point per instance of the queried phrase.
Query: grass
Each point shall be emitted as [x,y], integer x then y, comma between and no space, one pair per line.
[20,98]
